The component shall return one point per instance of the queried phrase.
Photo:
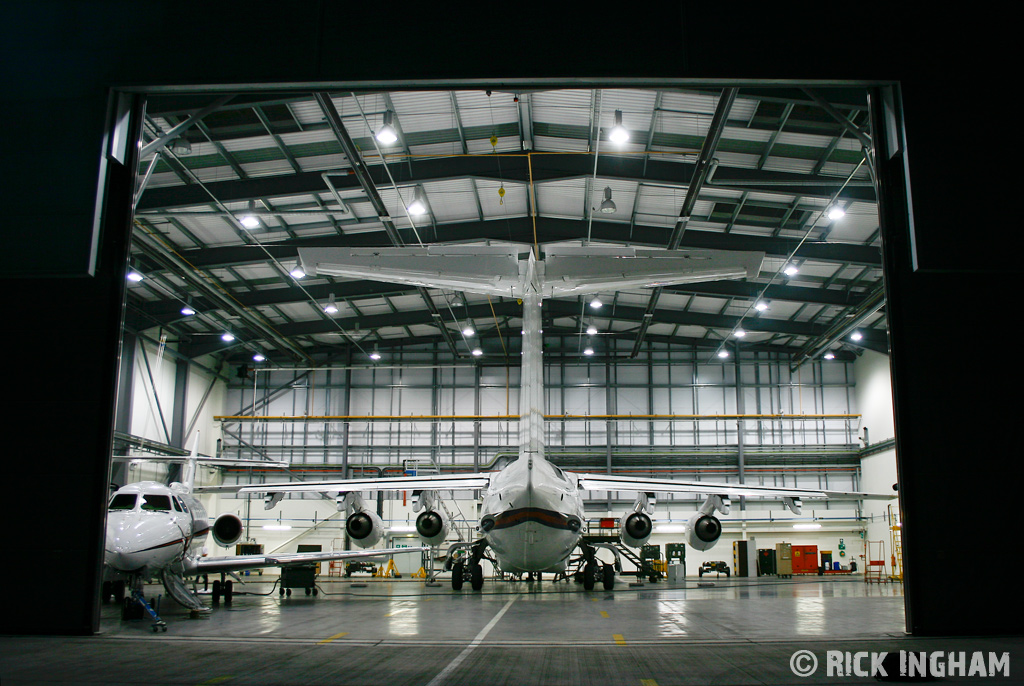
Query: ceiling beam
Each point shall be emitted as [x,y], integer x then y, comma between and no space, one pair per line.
[514,168]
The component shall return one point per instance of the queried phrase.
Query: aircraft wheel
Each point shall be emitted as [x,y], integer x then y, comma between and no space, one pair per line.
[315,591]
[228,589]
[608,577]
[589,576]
[280,591]
[457,575]
[215,591]
[308,591]
[476,576]
[288,593]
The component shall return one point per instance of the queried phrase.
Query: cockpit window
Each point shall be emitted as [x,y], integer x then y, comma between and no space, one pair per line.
[123,501]
[151,501]
[176,503]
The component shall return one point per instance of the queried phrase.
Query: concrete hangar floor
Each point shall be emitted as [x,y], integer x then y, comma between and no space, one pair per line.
[394,632]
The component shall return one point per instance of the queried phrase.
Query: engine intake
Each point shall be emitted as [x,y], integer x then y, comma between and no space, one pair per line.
[226,529]
[635,528]
[432,526]
[364,528]
[703,531]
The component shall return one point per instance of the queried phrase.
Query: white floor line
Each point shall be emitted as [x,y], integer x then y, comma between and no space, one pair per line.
[439,679]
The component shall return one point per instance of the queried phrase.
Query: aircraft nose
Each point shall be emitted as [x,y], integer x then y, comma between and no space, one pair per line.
[133,544]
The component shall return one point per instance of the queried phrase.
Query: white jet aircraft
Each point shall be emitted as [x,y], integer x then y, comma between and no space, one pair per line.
[532,513]
[158,531]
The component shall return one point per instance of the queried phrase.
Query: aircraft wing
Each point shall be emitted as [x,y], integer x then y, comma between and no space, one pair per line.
[491,270]
[577,271]
[205,461]
[609,482]
[234,563]
[446,482]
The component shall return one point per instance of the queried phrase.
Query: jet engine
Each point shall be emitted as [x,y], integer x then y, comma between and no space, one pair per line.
[432,526]
[635,528]
[226,529]
[703,530]
[364,528]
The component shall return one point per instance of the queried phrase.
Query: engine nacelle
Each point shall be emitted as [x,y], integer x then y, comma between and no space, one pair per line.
[226,529]
[635,528]
[703,531]
[364,527]
[432,526]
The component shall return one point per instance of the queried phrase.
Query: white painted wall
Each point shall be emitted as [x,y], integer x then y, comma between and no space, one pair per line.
[878,472]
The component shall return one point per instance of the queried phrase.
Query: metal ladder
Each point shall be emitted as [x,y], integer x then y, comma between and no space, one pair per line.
[896,542]
[874,564]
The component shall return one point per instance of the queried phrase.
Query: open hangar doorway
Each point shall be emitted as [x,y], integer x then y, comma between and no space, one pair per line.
[913,283]
[230,184]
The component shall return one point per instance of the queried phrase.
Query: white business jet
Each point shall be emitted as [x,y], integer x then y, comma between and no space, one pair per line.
[158,531]
[532,513]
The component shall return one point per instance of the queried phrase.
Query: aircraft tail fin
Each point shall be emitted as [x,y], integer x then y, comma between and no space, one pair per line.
[188,475]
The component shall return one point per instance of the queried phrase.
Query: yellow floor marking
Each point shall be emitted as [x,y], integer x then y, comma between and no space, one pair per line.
[216,680]
[603,613]
[648,682]
[328,640]
[619,640]
[594,599]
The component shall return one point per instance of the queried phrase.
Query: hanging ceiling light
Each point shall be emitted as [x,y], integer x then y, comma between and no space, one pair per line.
[760,306]
[830,355]
[418,205]
[297,271]
[227,337]
[835,212]
[608,206]
[477,352]
[618,134]
[387,134]
[249,221]
[330,307]
[591,330]
[187,309]
[790,270]
[739,333]
[596,303]
[723,353]
[375,355]
[180,146]
[468,331]
[856,335]
[134,276]
[588,350]
[258,358]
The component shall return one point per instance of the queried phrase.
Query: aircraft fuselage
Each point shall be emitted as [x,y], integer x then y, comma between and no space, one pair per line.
[533,516]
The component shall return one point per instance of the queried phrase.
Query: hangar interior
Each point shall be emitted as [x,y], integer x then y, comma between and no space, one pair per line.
[780,380]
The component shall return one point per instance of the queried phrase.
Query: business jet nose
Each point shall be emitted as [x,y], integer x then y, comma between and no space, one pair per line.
[133,543]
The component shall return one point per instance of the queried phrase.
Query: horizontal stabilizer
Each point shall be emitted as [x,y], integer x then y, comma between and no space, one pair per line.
[477,269]
[579,272]
[499,270]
